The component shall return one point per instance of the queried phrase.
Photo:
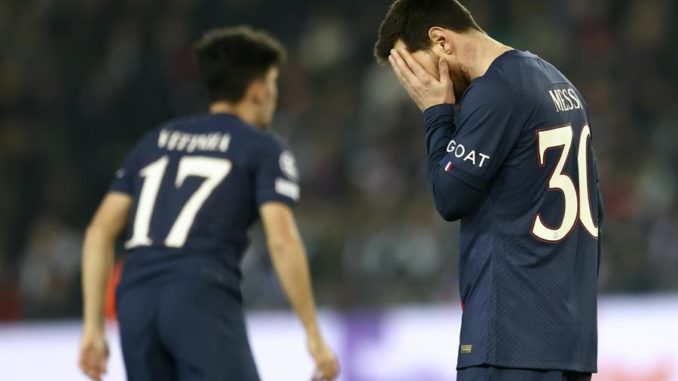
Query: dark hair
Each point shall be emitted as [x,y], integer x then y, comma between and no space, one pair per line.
[229,59]
[410,21]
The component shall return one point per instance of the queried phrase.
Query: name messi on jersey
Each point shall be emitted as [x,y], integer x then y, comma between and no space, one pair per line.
[565,99]
[182,141]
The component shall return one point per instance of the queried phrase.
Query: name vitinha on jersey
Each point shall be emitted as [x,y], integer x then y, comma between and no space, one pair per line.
[182,141]
[565,99]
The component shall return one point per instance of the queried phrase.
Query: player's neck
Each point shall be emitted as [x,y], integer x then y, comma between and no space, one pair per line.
[478,51]
[242,110]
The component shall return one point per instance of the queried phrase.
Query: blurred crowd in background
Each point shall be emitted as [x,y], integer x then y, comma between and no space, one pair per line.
[81,80]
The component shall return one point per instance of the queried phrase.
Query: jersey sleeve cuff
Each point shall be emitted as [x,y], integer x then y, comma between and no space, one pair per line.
[284,191]
[442,112]
[275,197]
[439,128]
[120,188]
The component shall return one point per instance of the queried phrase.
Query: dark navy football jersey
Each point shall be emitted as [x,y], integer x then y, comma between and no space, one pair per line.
[197,185]
[529,254]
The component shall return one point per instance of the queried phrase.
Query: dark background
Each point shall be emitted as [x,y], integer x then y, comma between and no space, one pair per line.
[81,80]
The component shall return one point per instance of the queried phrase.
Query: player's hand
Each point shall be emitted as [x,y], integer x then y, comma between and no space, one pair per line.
[93,355]
[424,89]
[326,364]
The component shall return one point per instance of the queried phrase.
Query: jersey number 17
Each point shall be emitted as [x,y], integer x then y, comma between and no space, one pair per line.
[213,170]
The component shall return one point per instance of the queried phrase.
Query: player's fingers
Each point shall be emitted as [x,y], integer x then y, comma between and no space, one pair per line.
[96,376]
[403,67]
[92,365]
[414,66]
[443,71]
[330,369]
[92,373]
[404,81]
[322,377]
[85,361]
[395,69]
[103,363]
[326,369]
[81,361]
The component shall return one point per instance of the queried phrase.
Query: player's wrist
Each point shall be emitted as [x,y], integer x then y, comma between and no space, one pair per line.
[312,330]
[93,328]
[439,116]
[439,109]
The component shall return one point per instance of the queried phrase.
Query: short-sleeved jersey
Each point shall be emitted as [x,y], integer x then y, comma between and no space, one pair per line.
[529,255]
[197,185]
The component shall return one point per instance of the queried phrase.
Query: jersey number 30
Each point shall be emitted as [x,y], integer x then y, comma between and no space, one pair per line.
[213,170]
[576,204]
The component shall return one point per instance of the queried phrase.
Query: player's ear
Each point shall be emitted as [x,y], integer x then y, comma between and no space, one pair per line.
[440,40]
[256,91]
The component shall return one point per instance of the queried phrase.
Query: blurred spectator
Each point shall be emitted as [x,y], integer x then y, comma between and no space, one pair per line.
[49,270]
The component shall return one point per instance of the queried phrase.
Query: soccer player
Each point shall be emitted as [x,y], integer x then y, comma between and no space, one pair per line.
[514,163]
[189,191]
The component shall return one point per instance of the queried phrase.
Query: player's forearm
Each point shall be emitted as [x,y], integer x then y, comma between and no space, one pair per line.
[453,198]
[97,261]
[289,262]
[439,132]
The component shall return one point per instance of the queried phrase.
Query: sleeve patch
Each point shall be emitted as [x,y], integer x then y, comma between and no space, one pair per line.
[288,165]
[287,188]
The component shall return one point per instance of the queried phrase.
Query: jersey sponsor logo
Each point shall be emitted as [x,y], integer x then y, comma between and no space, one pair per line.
[474,157]
[288,165]
[565,99]
[287,188]
[182,141]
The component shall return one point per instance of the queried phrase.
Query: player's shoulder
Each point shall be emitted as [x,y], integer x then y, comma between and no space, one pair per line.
[487,87]
[499,79]
[527,73]
[533,78]
[514,79]
[487,91]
